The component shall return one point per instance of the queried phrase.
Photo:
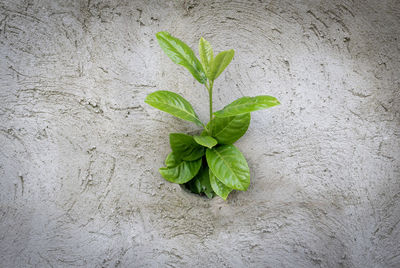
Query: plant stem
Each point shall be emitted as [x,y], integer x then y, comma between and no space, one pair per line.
[210,89]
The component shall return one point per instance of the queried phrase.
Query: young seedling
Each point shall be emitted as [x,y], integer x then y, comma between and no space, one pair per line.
[208,163]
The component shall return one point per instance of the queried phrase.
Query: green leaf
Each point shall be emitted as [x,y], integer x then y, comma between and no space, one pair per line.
[230,166]
[174,104]
[185,146]
[219,188]
[201,183]
[206,55]
[204,179]
[182,173]
[204,133]
[205,141]
[181,54]
[220,62]
[172,160]
[246,105]
[194,185]
[227,130]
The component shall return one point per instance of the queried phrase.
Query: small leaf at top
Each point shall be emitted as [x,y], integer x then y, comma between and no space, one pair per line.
[206,141]
[220,62]
[174,104]
[181,54]
[182,173]
[219,188]
[227,130]
[185,146]
[229,165]
[247,105]
[206,55]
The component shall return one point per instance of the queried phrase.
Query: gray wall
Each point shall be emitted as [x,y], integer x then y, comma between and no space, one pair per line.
[80,150]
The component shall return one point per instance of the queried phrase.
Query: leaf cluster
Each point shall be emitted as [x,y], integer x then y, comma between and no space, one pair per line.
[208,163]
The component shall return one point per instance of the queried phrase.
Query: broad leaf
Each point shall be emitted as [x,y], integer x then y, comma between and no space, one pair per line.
[185,146]
[181,54]
[220,62]
[204,133]
[172,160]
[182,173]
[246,105]
[206,55]
[227,130]
[230,166]
[201,183]
[205,141]
[194,185]
[204,179]
[174,104]
[219,188]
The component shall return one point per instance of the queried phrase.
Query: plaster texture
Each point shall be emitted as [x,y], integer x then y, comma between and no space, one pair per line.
[80,151]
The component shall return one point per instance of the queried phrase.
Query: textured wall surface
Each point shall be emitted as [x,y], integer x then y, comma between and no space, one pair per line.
[80,151]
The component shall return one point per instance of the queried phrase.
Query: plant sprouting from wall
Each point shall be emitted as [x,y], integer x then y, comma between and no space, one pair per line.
[208,163]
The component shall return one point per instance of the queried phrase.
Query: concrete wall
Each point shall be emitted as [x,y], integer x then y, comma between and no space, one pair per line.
[80,150]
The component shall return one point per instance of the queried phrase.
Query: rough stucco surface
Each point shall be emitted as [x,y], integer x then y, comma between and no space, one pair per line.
[80,150]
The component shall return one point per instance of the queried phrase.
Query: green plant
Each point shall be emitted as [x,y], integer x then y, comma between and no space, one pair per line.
[208,163]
